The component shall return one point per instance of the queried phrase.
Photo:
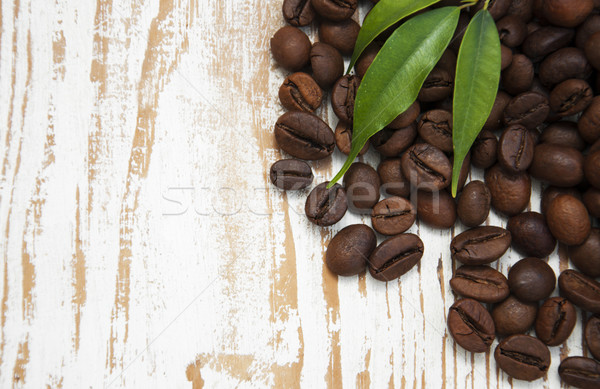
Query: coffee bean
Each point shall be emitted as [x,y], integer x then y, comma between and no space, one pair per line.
[392,180]
[589,122]
[291,174]
[497,8]
[523,357]
[529,109]
[494,121]
[555,321]
[448,61]
[395,256]
[557,165]
[506,57]
[568,220]
[513,316]
[546,40]
[325,207]
[304,135]
[591,169]
[343,139]
[512,30]
[471,325]
[580,372]
[436,209]
[564,64]
[348,251]
[586,256]
[510,193]
[336,10]
[407,118]
[480,245]
[298,13]
[341,35]
[361,183]
[563,134]
[591,199]
[531,235]
[437,86]
[426,167]
[518,77]
[481,283]
[552,192]
[515,149]
[300,92]
[484,150]
[531,279]
[366,59]
[435,127]
[393,216]
[571,97]
[291,48]
[327,64]
[592,336]
[567,13]
[586,30]
[522,9]
[390,143]
[581,290]
[474,204]
[342,97]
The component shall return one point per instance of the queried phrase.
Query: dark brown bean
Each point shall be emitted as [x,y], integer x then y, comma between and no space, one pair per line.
[480,245]
[343,139]
[531,235]
[567,13]
[510,193]
[300,92]
[341,35]
[484,150]
[555,321]
[591,169]
[474,204]
[587,29]
[557,165]
[437,86]
[529,109]
[591,199]
[436,209]
[435,127]
[522,9]
[586,256]
[523,357]
[361,183]
[564,64]
[348,251]
[494,121]
[531,279]
[291,174]
[390,143]
[580,372]
[325,207]
[298,13]
[512,30]
[366,58]
[592,336]
[568,220]
[407,118]
[335,10]
[291,48]
[393,216]
[571,97]
[392,180]
[395,256]
[426,167]
[327,64]
[471,325]
[546,40]
[552,192]
[589,123]
[513,316]
[518,77]
[497,8]
[592,47]
[481,283]
[342,97]
[581,290]
[563,134]
[304,135]
[515,149]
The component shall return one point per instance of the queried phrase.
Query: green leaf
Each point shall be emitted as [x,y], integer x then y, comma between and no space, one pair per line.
[475,85]
[393,81]
[383,16]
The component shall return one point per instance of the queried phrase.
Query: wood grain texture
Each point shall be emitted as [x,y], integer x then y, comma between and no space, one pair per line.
[142,243]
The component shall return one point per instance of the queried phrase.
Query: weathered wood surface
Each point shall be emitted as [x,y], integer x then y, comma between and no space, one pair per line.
[142,244]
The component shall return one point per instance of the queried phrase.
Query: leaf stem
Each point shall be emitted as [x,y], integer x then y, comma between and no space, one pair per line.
[468,3]
[485,6]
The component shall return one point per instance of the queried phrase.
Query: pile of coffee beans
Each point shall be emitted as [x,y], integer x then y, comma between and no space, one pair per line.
[545,125]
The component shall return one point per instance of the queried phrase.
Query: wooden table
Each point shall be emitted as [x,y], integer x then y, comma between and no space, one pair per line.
[143,245]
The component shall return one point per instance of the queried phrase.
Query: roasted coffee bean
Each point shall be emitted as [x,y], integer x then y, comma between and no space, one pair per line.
[580,372]
[327,64]
[480,245]
[448,61]
[563,134]
[426,167]
[589,123]
[523,357]
[343,138]
[510,193]
[546,40]
[531,279]
[522,9]
[325,207]
[591,200]
[592,336]
[336,10]
[518,77]
[581,290]
[395,256]
[568,220]
[300,92]
[366,59]
[552,192]
[291,174]
[591,169]
[571,97]
[435,127]
[393,216]
[531,235]
[506,57]
[555,321]
[474,204]
[481,283]
[586,256]
[361,183]
[436,209]
[341,35]
[567,13]
[564,64]
[557,165]
[513,316]
[342,97]
[497,8]
[515,149]
[291,48]
[512,30]
[471,325]
[348,251]
[298,13]
[437,86]
[407,118]
[304,135]
[494,121]
[586,30]
[529,109]
[485,150]
[391,177]
[390,143]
